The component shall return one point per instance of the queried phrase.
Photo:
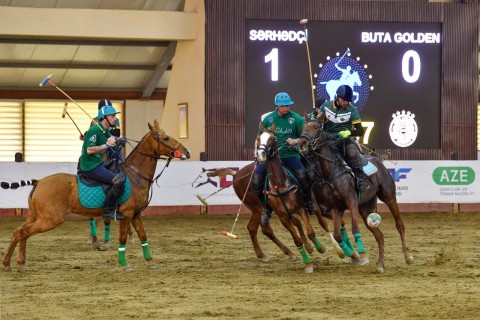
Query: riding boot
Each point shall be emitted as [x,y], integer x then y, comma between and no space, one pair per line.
[306,186]
[115,192]
[257,187]
[360,180]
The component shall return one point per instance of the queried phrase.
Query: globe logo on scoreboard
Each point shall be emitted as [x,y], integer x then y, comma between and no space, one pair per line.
[344,70]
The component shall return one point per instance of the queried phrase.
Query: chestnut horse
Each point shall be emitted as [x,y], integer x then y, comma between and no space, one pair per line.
[56,195]
[283,194]
[339,192]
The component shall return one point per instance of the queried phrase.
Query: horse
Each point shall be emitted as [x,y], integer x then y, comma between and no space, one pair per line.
[339,193]
[283,194]
[56,195]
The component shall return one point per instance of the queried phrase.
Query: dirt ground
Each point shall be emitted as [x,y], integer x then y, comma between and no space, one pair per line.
[202,274]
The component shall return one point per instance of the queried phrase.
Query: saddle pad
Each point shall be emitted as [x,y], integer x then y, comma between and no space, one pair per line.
[94,197]
[369,169]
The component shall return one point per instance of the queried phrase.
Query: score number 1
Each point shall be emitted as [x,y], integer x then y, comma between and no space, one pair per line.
[273,58]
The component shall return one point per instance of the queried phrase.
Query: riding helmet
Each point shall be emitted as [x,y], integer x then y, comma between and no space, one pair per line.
[345,92]
[283,99]
[105,111]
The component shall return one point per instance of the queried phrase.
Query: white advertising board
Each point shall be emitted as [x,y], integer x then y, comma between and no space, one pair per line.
[182,181]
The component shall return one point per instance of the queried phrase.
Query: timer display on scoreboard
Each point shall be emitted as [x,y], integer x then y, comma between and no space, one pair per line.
[393,68]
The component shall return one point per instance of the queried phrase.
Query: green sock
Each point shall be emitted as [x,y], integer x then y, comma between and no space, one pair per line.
[121,255]
[317,243]
[93,227]
[106,236]
[303,253]
[146,250]
[345,238]
[359,242]
[348,251]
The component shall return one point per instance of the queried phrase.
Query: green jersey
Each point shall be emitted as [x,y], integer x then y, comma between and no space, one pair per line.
[94,137]
[287,126]
[339,119]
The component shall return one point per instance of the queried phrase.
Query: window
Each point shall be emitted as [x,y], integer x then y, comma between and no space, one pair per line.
[37,129]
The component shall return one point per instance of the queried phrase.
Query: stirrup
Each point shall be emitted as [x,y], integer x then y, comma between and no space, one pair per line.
[266,215]
[311,208]
[362,185]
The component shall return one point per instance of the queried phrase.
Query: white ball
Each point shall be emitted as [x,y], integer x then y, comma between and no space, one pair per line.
[374,220]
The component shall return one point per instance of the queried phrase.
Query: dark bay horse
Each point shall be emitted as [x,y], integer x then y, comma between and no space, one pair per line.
[339,192]
[283,195]
[56,195]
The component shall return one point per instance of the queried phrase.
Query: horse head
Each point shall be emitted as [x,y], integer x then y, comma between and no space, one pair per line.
[310,134]
[165,144]
[266,144]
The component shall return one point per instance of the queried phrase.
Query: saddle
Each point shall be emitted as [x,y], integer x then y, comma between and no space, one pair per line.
[295,186]
[92,193]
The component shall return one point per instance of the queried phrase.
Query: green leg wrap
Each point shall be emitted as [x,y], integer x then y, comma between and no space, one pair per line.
[106,236]
[93,227]
[305,257]
[317,243]
[146,251]
[345,238]
[348,251]
[359,242]
[121,255]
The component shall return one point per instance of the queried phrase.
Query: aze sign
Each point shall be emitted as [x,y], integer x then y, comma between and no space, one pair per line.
[453,175]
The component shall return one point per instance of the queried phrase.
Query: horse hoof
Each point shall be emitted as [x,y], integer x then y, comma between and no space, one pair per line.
[380,270]
[322,250]
[292,257]
[7,268]
[360,262]
[21,268]
[128,269]
[308,268]
[152,266]
[309,247]
[264,258]
[106,245]
[339,252]
[409,259]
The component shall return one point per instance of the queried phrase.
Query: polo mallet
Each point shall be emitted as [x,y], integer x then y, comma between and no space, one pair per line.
[304,23]
[204,200]
[231,234]
[65,112]
[48,80]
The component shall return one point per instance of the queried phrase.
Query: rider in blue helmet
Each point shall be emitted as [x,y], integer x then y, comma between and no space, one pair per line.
[97,140]
[341,119]
[288,128]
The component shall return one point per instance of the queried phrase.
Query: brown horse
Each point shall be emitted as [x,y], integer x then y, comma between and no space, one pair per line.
[283,195]
[242,187]
[56,195]
[339,193]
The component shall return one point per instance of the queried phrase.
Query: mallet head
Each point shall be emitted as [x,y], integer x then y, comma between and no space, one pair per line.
[46,80]
[303,21]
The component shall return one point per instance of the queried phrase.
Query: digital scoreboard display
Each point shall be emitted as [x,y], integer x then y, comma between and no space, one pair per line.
[394,69]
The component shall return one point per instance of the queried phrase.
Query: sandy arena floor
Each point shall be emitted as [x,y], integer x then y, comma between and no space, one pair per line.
[204,275]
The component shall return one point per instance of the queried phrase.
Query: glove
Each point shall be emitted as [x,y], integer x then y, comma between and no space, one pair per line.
[121,141]
[344,134]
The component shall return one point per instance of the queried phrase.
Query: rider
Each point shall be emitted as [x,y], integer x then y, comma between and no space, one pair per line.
[97,141]
[342,119]
[288,128]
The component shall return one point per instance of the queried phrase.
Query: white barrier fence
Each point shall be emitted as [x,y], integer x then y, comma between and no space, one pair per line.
[181,182]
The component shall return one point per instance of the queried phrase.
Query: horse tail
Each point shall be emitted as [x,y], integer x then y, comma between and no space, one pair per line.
[221,172]
[16,185]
